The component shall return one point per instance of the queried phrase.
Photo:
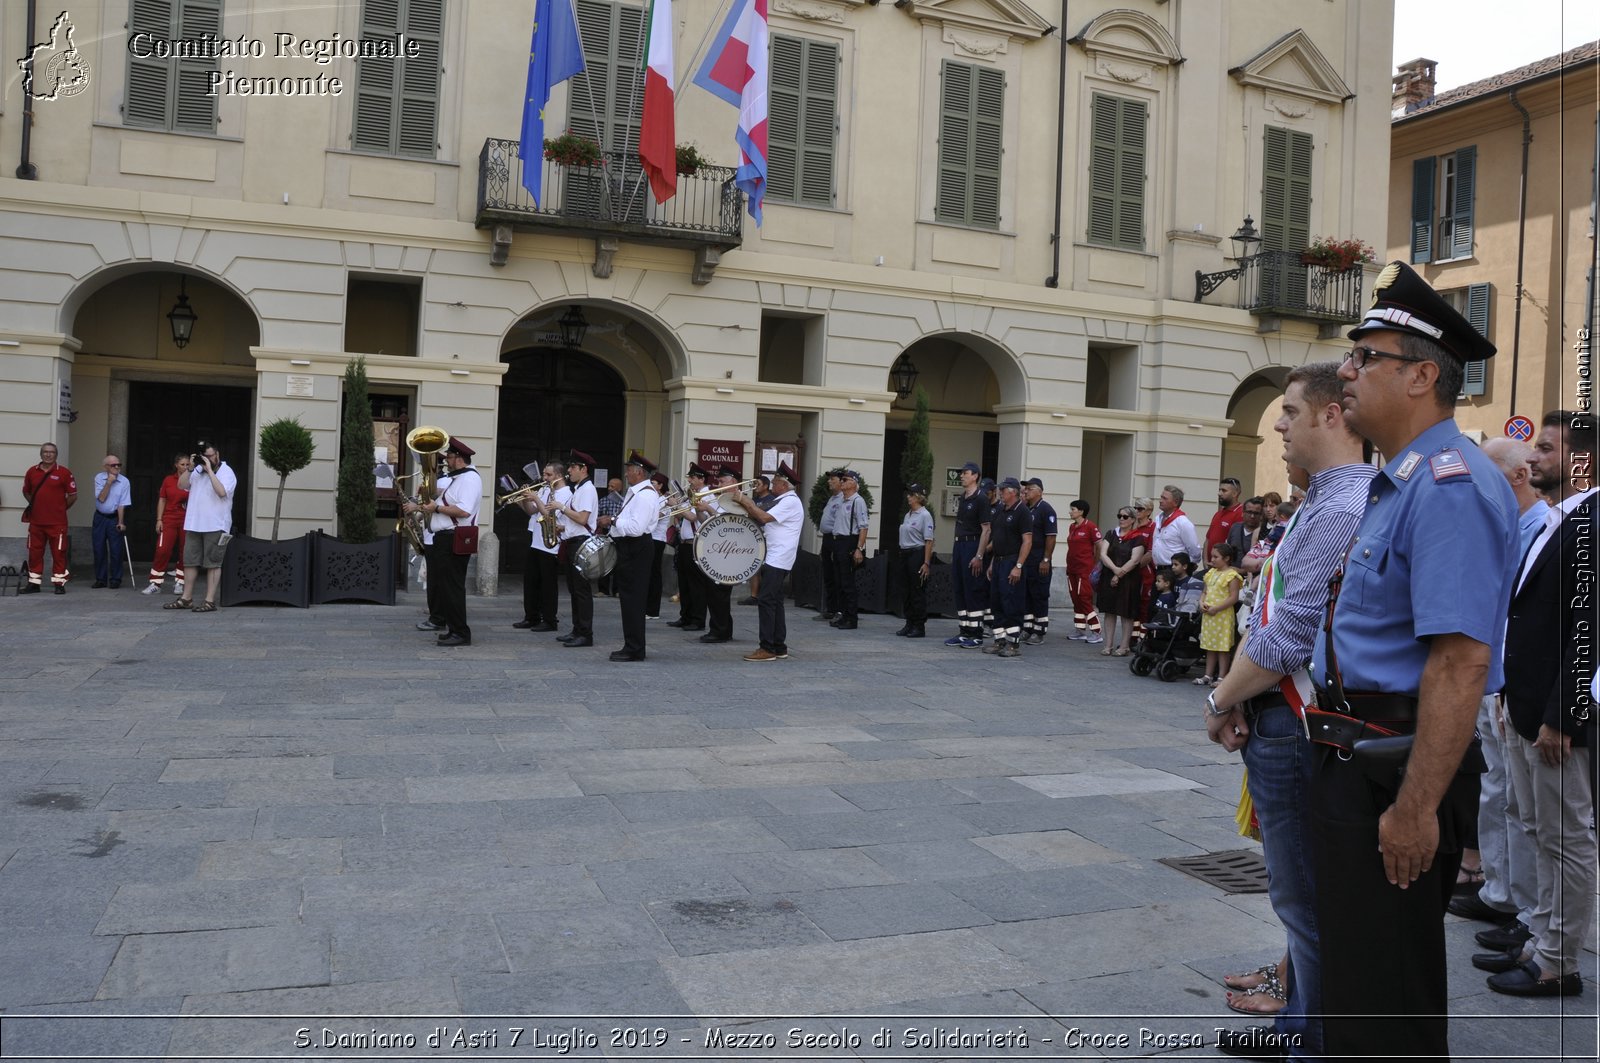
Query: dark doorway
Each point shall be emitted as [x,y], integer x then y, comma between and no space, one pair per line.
[552,401]
[168,419]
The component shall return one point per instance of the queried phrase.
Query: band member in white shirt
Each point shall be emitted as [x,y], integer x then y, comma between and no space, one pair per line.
[576,520]
[630,533]
[781,524]
[456,505]
[540,592]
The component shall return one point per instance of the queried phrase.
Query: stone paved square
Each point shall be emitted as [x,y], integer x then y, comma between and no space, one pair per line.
[873,826]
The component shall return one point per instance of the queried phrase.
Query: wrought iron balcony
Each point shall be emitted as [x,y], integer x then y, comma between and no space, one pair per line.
[609,201]
[1278,284]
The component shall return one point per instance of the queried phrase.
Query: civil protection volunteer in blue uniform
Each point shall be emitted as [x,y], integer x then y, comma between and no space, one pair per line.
[970,588]
[1417,626]
[1011,540]
[1037,566]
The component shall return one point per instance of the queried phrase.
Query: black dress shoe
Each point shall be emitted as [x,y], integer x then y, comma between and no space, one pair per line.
[825,616]
[114,584]
[455,640]
[844,625]
[694,627]
[33,588]
[1505,938]
[904,630]
[429,625]
[624,655]
[97,584]
[579,642]
[61,588]
[1496,961]
[1524,981]
[677,623]
[1471,906]
[544,627]
[916,633]
[568,637]
[708,637]
[523,625]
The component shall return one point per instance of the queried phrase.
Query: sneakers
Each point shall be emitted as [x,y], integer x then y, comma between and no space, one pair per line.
[970,644]
[1078,635]
[154,588]
[1035,639]
[30,588]
[1095,639]
[763,655]
[1009,650]
[177,588]
[955,640]
[995,647]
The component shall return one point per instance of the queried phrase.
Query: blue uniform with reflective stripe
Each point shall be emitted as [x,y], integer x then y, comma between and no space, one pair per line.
[1433,555]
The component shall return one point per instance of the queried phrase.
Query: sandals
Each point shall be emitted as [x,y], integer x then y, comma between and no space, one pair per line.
[1269,991]
[1258,977]
[1120,653]
[205,607]
[180,603]
[1108,652]
[1205,681]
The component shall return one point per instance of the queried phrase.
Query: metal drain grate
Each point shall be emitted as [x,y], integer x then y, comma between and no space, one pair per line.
[1235,871]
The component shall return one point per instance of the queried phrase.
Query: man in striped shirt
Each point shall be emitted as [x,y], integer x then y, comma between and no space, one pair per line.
[1256,707]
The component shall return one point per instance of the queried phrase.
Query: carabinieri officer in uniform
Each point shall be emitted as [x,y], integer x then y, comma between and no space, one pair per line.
[1418,621]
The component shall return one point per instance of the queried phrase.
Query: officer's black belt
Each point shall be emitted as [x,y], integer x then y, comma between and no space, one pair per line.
[1003,557]
[1270,699]
[828,536]
[1389,708]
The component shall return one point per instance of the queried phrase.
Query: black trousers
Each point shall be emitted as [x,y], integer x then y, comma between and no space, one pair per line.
[1382,947]
[769,604]
[916,597]
[539,589]
[830,579]
[652,594]
[633,581]
[691,585]
[580,590]
[447,572]
[844,576]
[719,607]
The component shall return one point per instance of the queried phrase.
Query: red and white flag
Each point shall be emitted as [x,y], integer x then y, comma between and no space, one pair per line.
[658,144]
[735,70]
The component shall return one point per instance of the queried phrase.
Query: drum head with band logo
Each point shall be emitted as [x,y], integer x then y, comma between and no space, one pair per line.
[730,548]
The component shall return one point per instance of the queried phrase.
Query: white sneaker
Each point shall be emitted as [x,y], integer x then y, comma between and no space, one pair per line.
[177,588]
[1095,640]
[154,588]
[1077,636]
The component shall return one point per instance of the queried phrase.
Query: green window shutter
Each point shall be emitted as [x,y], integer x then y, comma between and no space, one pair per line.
[375,80]
[1475,380]
[171,93]
[1422,179]
[803,108]
[608,97]
[1117,129]
[397,99]
[1286,190]
[419,80]
[971,113]
[150,81]
[1461,218]
[194,111]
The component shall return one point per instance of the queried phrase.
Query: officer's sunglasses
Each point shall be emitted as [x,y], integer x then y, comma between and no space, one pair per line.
[1360,356]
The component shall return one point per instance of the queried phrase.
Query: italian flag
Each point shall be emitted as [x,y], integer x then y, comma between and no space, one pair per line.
[658,148]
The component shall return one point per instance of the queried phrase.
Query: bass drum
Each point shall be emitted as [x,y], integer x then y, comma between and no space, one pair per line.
[730,548]
[595,557]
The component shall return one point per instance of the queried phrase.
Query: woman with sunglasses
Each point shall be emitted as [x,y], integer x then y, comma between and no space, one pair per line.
[1121,565]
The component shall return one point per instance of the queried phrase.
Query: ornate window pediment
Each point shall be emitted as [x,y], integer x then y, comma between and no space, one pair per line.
[1004,19]
[816,10]
[1293,65]
[1130,36]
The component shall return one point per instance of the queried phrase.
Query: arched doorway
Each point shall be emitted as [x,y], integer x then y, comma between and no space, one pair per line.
[553,400]
[1253,452]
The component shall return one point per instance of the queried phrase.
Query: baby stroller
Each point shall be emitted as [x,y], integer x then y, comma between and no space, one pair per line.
[1171,644]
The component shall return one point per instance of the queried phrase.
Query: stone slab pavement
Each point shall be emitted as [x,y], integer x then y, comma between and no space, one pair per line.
[280,833]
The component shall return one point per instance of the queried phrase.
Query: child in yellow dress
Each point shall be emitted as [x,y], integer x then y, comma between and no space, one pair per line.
[1218,626]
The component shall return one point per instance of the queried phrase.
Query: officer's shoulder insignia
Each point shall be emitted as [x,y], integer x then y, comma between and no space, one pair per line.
[1408,466]
[1448,464]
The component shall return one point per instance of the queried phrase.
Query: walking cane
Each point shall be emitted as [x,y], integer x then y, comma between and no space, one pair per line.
[127,549]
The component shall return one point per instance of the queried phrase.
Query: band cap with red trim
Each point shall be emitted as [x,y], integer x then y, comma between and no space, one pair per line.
[1403,302]
[727,470]
[696,470]
[456,446]
[578,457]
[787,473]
[640,461]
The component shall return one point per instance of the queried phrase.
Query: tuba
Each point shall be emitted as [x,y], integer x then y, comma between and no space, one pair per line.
[427,442]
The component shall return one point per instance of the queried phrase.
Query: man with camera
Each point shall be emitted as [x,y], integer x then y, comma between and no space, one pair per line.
[207,525]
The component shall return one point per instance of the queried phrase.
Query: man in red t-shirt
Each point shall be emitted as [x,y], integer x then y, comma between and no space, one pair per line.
[1083,544]
[172,504]
[50,491]
[1230,511]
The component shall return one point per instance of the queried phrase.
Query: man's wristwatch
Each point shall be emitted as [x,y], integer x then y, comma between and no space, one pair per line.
[1211,705]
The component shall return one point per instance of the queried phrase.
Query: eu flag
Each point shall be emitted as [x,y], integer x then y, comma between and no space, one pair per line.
[555,55]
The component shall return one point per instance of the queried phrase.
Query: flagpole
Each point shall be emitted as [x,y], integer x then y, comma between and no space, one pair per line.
[711,27]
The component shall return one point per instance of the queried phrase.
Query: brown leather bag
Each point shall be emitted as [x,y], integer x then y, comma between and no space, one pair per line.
[465,540]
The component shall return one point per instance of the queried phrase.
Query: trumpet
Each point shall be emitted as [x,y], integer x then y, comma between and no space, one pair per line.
[684,505]
[518,496]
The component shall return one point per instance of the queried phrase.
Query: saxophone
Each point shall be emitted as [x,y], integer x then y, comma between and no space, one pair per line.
[547,524]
